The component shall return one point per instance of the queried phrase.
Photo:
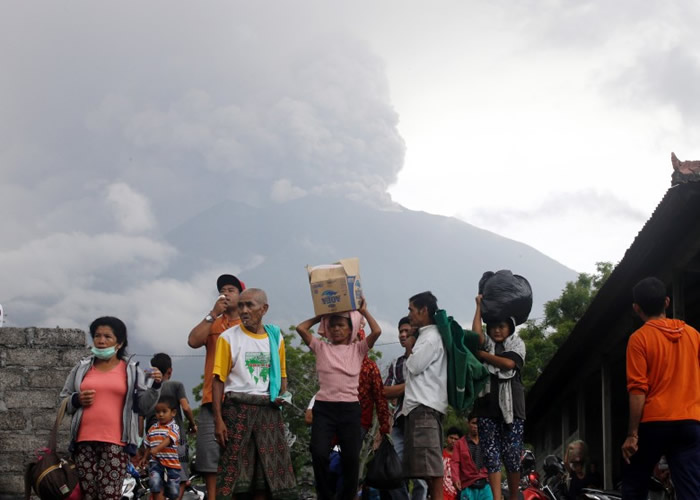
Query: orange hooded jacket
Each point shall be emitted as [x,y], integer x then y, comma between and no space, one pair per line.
[663,362]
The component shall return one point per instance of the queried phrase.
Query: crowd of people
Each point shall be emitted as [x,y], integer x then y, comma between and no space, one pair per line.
[120,410]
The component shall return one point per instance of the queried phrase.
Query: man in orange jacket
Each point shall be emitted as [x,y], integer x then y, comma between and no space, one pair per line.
[663,381]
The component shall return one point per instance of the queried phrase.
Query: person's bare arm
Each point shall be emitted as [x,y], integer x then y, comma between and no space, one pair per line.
[497,361]
[146,456]
[283,385]
[394,391]
[631,444]
[217,394]
[185,405]
[161,446]
[303,329]
[476,322]
[308,416]
[375,329]
[198,335]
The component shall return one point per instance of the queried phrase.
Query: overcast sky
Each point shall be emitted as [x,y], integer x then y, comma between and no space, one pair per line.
[548,122]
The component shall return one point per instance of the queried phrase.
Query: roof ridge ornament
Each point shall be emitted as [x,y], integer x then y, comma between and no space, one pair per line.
[684,171]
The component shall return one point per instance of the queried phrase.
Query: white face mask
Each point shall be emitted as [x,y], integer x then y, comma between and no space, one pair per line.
[105,353]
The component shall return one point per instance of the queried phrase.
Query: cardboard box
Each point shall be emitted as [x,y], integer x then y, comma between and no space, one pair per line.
[336,287]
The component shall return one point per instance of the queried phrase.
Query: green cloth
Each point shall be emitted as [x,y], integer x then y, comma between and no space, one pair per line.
[273,333]
[466,375]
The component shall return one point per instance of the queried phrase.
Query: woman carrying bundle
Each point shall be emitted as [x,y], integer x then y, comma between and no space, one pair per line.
[336,411]
[501,407]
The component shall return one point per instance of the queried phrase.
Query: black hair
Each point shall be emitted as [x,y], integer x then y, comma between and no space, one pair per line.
[650,295]
[404,321]
[471,416]
[118,328]
[168,400]
[425,299]
[494,324]
[340,316]
[161,361]
[453,430]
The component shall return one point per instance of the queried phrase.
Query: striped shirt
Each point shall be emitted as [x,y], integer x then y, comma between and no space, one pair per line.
[338,367]
[396,376]
[168,456]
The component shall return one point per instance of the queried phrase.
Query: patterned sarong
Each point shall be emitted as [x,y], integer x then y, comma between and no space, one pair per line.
[256,456]
[101,467]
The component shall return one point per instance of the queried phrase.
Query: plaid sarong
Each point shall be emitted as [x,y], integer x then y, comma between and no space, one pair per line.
[256,456]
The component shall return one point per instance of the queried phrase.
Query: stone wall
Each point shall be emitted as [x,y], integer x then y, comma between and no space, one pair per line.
[34,364]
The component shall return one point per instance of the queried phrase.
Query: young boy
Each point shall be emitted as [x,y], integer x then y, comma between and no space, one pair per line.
[176,390]
[161,450]
[448,485]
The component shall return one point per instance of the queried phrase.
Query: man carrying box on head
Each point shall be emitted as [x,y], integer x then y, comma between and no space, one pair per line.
[249,376]
[223,316]
[425,399]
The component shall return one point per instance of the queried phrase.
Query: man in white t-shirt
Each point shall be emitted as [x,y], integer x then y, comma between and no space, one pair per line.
[425,397]
[249,376]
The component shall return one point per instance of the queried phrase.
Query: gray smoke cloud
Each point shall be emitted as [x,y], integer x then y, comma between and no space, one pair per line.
[119,122]
[185,105]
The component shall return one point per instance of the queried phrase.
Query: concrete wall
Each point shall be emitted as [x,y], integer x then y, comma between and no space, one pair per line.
[34,364]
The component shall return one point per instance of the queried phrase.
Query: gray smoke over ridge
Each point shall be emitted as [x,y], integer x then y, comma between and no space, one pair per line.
[121,121]
[188,106]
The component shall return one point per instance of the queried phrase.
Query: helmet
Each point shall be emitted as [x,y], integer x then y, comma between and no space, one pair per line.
[553,465]
[527,461]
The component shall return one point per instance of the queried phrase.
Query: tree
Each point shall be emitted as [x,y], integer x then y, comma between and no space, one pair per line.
[543,338]
[303,384]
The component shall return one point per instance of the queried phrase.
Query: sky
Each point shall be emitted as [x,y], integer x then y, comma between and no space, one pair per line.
[548,122]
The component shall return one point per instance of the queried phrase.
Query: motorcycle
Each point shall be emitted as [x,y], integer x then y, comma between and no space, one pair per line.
[195,491]
[134,487]
[529,479]
[657,491]
[553,484]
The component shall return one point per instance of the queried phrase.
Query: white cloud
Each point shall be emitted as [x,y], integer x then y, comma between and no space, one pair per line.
[49,267]
[131,209]
[283,190]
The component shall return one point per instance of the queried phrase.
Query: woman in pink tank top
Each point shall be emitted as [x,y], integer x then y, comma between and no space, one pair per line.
[106,392]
